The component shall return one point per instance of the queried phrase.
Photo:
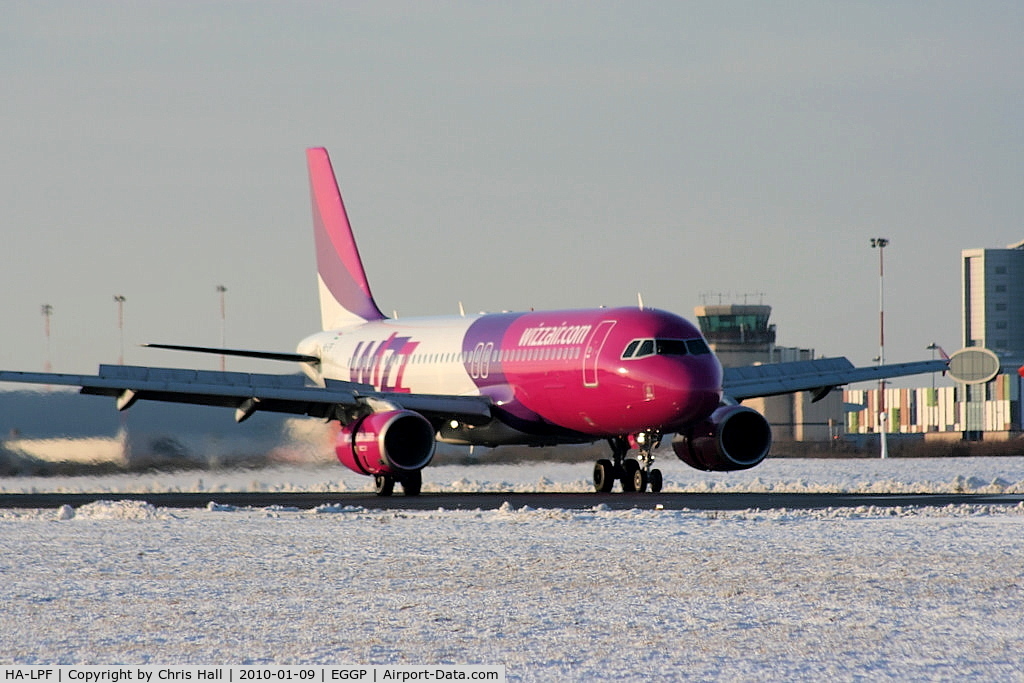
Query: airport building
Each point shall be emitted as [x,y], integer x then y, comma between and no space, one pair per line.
[990,410]
[986,405]
[993,301]
[984,402]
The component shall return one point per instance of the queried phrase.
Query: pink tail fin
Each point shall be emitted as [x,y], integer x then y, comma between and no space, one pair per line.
[345,297]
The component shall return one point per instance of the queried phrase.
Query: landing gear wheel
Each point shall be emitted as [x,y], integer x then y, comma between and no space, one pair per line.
[630,468]
[639,478]
[412,483]
[604,476]
[383,484]
[656,481]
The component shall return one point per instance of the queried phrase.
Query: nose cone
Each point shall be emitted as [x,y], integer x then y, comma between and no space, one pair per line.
[677,391]
[694,388]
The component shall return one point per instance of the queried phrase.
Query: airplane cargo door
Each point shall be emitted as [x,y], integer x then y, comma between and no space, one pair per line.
[592,351]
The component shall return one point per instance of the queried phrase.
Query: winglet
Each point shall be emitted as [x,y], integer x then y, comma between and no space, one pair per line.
[345,297]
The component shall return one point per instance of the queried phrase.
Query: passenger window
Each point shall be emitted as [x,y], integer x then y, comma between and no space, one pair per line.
[628,353]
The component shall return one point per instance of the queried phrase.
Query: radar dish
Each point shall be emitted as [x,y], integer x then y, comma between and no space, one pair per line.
[973,365]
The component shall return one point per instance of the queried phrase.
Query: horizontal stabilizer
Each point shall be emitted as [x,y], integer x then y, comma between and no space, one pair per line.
[265,355]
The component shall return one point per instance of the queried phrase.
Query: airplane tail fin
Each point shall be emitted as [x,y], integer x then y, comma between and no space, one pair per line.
[345,297]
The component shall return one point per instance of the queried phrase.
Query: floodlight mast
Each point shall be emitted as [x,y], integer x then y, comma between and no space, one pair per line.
[119,299]
[47,310]
[881,243]
[222,290]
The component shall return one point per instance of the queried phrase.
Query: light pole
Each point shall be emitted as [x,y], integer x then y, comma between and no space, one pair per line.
[47,314]
[933,400]
[221,289]
[932,347]
[119,300]
[881,243]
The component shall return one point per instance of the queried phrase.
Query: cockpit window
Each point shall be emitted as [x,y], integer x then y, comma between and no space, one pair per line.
[671,347]
[697,347]
[641,348]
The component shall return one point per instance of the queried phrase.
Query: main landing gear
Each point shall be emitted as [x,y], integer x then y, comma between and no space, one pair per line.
[384,484]
[636,473]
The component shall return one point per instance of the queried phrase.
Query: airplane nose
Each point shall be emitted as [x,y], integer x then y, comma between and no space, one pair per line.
[695,388]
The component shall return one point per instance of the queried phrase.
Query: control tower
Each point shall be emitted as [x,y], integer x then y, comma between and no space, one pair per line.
[741,335]
[738,334]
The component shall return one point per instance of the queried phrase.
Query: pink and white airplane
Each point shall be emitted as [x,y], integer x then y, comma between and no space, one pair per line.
[628,376]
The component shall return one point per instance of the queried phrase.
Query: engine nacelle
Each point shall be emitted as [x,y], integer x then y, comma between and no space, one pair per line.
[393,442]
[733,438]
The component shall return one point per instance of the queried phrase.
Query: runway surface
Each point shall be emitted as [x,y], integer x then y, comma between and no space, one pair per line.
[492,501]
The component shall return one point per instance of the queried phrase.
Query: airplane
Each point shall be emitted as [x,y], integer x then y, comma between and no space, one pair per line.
[629,376]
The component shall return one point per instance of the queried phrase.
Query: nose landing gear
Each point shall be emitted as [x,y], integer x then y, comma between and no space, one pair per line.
[636,473]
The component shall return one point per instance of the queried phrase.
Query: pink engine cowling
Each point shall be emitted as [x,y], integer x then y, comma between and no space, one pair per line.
[392,442]
[733,438]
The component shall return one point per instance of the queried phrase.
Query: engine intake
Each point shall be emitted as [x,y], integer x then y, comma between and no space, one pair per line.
[391,442]
[733,438]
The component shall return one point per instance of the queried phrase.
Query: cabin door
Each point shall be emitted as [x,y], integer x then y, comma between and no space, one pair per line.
[592,352]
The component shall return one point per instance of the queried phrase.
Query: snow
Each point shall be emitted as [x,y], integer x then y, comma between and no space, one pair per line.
[902,593]
[782,475]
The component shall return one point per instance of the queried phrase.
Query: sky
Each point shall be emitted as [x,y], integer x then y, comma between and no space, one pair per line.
[503,155]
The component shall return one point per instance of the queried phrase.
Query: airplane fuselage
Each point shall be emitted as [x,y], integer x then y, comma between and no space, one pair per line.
[592,373]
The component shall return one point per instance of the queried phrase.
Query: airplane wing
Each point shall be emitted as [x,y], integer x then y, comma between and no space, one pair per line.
[249,392]
[817,376]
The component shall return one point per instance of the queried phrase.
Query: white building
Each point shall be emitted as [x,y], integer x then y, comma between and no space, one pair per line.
[993,301]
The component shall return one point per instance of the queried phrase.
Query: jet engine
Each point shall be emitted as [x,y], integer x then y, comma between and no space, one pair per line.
[394,442]
[733,438]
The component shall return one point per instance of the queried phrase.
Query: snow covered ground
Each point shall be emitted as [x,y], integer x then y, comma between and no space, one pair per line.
[879,594]
[895,475]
